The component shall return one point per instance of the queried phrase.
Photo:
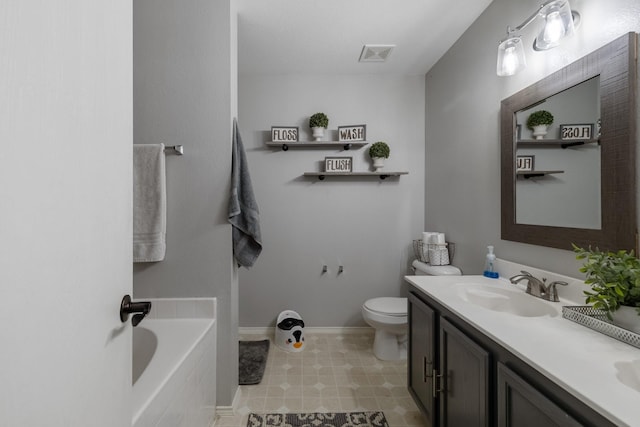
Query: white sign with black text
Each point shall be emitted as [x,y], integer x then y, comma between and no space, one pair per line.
[574,132]
[338,164]
[352,133]
[284,134]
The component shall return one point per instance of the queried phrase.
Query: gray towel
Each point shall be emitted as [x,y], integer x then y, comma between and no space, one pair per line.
[243,209]
[149,203]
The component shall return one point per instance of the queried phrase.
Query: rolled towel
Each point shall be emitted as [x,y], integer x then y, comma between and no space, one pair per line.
[429,237]
[438,255]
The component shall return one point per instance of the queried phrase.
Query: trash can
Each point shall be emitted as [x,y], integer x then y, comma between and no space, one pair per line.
[290,331]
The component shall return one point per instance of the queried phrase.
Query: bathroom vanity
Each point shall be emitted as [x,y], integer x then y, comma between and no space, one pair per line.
[484,353]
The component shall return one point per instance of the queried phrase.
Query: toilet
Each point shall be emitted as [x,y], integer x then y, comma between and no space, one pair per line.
[388,315]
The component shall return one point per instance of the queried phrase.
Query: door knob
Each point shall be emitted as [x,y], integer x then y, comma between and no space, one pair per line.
[127,307]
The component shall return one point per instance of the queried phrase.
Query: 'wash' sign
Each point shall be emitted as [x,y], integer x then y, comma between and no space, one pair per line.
[352,133]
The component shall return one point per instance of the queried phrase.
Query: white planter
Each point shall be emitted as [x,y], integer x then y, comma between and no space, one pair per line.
[627,317]
[378,163]
[318,133]
[540,131]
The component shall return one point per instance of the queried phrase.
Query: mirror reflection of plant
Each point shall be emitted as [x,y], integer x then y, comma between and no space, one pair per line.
[379,149]
[614,278]
[540,117]
[319,120]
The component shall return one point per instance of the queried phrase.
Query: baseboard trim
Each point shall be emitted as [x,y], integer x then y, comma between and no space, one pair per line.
[338,330]
[230,411]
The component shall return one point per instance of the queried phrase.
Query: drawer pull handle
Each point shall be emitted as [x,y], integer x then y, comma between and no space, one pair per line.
[435,388]
[426,368]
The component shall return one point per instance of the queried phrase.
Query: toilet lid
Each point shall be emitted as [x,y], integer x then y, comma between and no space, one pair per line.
[436,270]
[388,305]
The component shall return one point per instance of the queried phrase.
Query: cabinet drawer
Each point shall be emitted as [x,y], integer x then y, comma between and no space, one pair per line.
[521,405]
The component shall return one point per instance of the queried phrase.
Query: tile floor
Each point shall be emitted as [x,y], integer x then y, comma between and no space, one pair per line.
[334,373]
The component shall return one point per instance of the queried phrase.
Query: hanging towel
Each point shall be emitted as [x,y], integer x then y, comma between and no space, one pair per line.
[149,203]
[243,209]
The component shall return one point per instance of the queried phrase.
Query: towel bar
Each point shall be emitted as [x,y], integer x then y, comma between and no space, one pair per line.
[178,149]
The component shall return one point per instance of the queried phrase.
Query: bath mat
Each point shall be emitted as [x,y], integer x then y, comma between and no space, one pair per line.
[253,360]
[315,419]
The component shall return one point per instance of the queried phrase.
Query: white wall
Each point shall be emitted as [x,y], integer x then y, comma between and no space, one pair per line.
[185,58]
[65,215]
[366,225]
[463,97]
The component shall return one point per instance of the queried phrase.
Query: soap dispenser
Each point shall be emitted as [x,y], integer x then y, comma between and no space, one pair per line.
[489,267]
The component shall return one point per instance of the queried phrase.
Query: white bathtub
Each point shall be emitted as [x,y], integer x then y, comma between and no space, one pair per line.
[173,369]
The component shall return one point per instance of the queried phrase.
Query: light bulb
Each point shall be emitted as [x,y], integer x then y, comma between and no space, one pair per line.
[554,30]
[511,57]
[510,61]
[558,24]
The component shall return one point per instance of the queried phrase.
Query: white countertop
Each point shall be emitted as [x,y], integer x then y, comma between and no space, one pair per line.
[584,362]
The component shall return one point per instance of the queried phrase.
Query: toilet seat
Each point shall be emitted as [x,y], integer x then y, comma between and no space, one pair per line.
[388,306]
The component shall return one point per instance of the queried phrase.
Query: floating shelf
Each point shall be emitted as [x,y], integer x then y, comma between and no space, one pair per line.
[306,144]
[562,143]
[534,174]
[381,174]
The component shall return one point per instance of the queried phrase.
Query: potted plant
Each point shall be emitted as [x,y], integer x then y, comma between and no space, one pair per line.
[378,152]
[614,278]
[318,123]
[538,122]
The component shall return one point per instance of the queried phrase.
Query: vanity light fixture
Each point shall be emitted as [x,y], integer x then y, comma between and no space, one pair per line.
[560,22]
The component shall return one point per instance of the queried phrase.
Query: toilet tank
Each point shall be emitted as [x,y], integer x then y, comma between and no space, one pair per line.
[425,269]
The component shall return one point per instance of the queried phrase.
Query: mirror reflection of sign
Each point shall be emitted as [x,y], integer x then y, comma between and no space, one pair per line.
[284,134]
[338,164]
[571,132]
[352,133]
[524,163]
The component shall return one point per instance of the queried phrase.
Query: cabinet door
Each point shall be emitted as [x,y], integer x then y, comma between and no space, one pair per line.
[521,405]
[421,356]
[463,380]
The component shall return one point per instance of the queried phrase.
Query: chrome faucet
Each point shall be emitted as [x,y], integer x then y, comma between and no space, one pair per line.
[539,288]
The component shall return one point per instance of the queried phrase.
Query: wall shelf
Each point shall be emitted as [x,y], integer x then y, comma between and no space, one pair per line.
[535,174]
[562,143]
[382,174]
[306,144]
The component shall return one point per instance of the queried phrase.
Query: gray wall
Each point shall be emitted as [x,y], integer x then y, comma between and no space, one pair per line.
[366,225]
[463,97]
[185,81]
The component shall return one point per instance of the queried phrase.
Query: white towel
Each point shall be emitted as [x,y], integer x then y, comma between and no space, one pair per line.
[149,203]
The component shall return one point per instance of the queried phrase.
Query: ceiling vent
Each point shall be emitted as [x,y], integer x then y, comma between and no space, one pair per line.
[376,52]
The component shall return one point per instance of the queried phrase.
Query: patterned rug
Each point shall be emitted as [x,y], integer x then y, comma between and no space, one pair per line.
[335,419]
[253,361]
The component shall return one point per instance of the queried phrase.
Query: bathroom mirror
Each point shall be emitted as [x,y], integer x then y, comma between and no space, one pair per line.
[581,188]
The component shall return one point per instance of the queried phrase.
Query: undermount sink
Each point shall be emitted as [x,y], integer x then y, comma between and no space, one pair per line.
[628,373]
[504,300]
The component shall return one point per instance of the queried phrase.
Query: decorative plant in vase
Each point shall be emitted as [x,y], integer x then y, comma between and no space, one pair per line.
[538,122]
[378,152]
[614,278]
[318,123]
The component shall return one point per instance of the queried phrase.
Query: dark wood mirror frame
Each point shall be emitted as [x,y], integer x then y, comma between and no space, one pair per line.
[615,63]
